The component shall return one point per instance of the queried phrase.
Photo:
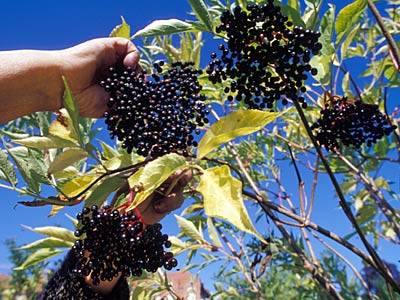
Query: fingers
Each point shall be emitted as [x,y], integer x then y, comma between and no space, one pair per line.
[127,52]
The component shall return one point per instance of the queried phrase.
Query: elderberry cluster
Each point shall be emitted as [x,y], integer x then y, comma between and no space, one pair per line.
[155,114]
[116,243]
[266,57]
[350,123]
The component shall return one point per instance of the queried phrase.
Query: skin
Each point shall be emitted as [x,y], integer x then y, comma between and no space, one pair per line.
[31,81]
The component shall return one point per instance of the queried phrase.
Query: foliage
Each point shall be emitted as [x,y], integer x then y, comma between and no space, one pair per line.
[259,175]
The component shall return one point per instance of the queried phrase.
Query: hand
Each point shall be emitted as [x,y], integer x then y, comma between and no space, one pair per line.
[84,64]
[158,205]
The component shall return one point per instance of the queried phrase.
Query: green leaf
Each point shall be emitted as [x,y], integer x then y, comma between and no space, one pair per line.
[72,109]
[292,14]
[222,197]
[348,40]
[189,229]
[78,184]
[366,213]
[101,192]
[212,232]
[45,142]
[347,17]
[164,27]
[381,148]
[55,232]
[326,28]
[48,243]
[235,124]
[37,257]
[66,159]
[151,176]
[122,30]
[201,11]
[7,169]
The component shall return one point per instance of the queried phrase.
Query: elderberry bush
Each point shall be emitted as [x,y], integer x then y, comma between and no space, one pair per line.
[265,57]
[350,123]
[116,243]
[155,114]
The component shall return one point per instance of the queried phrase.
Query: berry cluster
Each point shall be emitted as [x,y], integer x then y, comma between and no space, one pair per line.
[350,123]
[266,58]
[155,114]
[119,243]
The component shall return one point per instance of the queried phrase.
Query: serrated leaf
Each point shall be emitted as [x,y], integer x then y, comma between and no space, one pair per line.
[47,243]
[7,169]
[221,190]
[235,124]
[45,142]
[347,16]
[326,28]
[65,159]
[201,11]
[122,30]
[164,27]
[37,257]
[55,232]
[189,229]
[212,232]
[72,109]
[151,176]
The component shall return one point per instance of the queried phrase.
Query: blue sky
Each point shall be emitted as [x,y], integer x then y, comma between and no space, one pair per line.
[60,24]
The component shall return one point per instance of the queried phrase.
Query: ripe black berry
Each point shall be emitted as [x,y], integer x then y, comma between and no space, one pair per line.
[155,114]
[265,57]
[350,123]
[117,243]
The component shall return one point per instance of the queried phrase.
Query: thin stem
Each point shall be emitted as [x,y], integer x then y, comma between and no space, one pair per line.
[389,38]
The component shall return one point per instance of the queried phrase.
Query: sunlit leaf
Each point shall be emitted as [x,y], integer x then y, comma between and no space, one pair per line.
[201,11]
[72,109]
[154,173]
[37,257]
[45,142]
[235,124]
[222,196]
[101,192]
[55,209]
[47,243]
[189,229]
[212,232]
[65,159]
[55,232]
[62,127]
[163,27]
[78,184]
[122,30]
[348,16]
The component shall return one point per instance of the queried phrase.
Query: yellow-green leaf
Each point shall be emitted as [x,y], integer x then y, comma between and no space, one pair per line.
[45,142]
[164,27]
[122,30]
[78,184]
[151,176]
[37,257]
[66,159]
[201,11]
[72,108]
[62,127]
[347,16]
[189,229]
[55,232]
[212,232]
[236,124]
[222,196]
[49,242]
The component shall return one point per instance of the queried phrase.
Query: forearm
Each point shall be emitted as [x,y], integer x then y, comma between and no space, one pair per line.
[30,81]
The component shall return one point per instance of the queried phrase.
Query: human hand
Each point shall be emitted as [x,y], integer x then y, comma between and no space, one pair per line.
[158,204]
[84,64]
